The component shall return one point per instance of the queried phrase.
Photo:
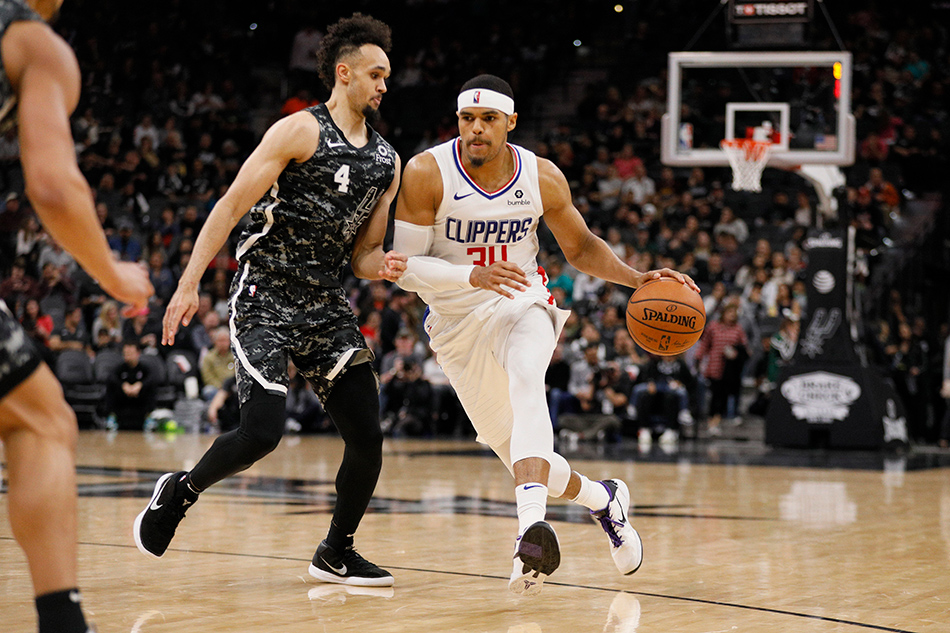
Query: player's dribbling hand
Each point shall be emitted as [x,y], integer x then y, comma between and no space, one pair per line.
[129,284]
[394,265]
[499,277]
[668,272]
[183,305]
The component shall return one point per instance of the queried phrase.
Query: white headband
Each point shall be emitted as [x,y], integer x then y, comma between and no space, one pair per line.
[485,98]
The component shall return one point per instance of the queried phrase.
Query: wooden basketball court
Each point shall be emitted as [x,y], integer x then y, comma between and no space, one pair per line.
[816,545]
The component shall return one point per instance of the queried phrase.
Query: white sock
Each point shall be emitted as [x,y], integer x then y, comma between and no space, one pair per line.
[593,494]
[532,499]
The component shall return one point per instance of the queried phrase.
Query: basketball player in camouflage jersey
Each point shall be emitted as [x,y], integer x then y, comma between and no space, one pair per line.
[318,187]
[467,218]
[39,88]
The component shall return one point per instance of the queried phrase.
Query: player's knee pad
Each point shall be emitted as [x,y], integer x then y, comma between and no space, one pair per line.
[559,475]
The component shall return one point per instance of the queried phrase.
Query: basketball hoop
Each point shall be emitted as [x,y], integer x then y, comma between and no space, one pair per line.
[747,158]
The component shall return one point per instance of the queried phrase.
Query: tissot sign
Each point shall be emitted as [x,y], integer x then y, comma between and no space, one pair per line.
[770,11]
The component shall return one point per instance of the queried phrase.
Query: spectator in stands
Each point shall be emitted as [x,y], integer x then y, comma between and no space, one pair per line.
[408,396]
[883,192]
[72,335]
[601,402]
[730,255]
[303,56]
[626,162]
[639,188]
[38,326]
[723,346]
[731,224]
[29,241]
[908,364]
[696,183]
[109,320]
[12,214]
[300,100]
[51,252]
[608,192]
[217,365]
[124,243]
[223,411]
[143,330]
[161,276]
[205,321]
[558,278]
[55,288]
[782,345]
[394,361]
[130,394]
[19,286]
[660,399]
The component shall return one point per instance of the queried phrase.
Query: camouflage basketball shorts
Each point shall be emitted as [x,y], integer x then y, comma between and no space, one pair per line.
[18,357]
[273,320]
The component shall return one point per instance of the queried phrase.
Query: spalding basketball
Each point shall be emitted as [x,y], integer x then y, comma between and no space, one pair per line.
[665,317]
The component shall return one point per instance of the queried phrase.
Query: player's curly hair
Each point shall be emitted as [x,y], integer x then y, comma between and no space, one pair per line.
[345,37]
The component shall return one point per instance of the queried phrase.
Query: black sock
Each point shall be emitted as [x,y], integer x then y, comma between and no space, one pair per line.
[61,612]
[338,539]
[184,488]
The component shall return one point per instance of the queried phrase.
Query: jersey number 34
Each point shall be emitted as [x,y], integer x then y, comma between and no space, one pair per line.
[485,255]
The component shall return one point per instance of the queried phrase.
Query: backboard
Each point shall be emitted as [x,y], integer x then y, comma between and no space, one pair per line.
[805,96]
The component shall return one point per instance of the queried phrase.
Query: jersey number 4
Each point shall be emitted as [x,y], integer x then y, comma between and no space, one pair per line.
[342,178]
[485,255]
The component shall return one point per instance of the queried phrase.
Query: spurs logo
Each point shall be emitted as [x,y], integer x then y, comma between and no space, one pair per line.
[821,328]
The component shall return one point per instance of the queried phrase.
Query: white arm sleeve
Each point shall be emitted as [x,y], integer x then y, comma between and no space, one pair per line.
[426,274]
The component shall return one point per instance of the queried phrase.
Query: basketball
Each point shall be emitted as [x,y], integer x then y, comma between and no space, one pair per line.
[665,317]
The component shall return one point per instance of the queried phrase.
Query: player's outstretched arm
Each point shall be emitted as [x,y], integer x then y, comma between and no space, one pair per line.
[583,250]
[45,76]
[369,261]
[292,138]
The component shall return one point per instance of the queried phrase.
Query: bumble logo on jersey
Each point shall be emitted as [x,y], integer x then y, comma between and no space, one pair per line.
[520,201]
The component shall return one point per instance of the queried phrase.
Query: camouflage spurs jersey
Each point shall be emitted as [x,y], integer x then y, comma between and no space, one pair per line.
[18,356]
[305,226]
[10,11]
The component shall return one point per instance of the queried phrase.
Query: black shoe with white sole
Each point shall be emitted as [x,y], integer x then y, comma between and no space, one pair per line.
[155,526]
[347,568]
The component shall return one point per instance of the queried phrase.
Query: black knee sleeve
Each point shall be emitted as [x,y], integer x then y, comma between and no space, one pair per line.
[262,426]
[262,423]
[353,405]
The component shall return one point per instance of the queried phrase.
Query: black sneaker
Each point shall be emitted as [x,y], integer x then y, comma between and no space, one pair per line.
[155,526]
[347,568]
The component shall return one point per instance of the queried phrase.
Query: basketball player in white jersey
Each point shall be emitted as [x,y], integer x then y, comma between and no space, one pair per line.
[467,217]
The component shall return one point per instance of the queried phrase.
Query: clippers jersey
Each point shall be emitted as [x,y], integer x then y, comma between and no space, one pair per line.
[10,11]
[474,226]
[304,228]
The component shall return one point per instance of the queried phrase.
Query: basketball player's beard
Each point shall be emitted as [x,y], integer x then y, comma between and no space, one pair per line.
[371,114]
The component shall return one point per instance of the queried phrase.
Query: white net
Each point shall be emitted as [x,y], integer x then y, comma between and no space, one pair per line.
[748,159]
